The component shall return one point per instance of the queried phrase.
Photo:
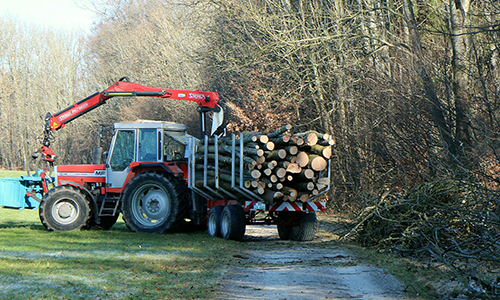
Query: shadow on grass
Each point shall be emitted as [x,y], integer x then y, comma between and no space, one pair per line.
[20,224]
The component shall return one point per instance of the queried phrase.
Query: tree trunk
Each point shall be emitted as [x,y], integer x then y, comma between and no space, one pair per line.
[430,91]
[459,10]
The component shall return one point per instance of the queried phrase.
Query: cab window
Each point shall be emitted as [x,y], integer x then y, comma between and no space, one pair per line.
[148,147]
[172,148]
[123,150]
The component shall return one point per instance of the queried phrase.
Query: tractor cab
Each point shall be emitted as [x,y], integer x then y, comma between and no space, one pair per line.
[144,142]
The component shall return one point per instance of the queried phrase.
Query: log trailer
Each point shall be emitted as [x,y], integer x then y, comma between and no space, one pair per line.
[152,176]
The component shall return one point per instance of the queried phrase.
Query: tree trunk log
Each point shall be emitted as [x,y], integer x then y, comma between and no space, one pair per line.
[276,154]
[310,138]
[279,131]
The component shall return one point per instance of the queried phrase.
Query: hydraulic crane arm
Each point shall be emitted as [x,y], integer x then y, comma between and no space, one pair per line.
[207,101]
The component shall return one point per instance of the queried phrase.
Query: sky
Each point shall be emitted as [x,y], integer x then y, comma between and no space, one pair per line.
[58,14]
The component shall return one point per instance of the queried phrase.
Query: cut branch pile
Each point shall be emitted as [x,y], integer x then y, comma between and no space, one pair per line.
[455,223]
[277,166]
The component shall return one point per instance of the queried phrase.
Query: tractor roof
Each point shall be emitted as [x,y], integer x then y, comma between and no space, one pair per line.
[167,126]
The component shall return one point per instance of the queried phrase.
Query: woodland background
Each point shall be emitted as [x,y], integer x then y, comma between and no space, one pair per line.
[408,89]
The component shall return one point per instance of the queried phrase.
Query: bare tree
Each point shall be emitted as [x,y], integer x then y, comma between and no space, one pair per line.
[154,43]
[40,72]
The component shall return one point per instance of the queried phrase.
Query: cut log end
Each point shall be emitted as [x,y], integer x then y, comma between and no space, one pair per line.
[293,168]
[273,178]
[311,139]
[302,159]
[276,154]
[317,163]
[255,174]
[293,150]
[286,138]
[263,138]
[281,172]
[306,174]
[304,197]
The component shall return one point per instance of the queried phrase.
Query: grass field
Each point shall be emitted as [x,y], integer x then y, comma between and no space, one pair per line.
[7,173]
[113,264]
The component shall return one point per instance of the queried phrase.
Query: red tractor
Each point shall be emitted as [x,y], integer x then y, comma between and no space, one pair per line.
[144,175]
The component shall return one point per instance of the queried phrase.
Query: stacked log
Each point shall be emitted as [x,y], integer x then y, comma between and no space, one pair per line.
[277,166]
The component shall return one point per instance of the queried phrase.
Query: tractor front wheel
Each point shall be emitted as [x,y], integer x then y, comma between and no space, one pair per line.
[64,208]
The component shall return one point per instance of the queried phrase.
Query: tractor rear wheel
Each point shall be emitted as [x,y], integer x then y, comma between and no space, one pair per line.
[151,203]
[64,208]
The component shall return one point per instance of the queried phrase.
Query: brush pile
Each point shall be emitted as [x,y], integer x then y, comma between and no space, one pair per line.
[455,223]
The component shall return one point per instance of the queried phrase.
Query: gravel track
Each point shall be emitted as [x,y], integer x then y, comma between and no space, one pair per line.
[274,269]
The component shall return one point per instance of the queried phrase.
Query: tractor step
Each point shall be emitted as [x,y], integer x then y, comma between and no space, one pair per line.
[109,206]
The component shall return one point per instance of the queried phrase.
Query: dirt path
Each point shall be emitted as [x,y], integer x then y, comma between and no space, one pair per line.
[274,269]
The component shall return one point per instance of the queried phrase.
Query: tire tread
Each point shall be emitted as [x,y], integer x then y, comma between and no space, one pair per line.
[43,210]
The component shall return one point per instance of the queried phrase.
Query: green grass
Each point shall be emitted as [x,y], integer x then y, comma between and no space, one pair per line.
[113,264]
[7,173]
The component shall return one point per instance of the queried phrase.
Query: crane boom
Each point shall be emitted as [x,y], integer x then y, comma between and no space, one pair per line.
[207,101]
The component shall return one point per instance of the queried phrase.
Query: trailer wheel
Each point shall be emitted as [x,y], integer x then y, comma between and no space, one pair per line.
[306,230]
[284,232]
[151,203]
[233,223]
[64,208]
[214,221]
